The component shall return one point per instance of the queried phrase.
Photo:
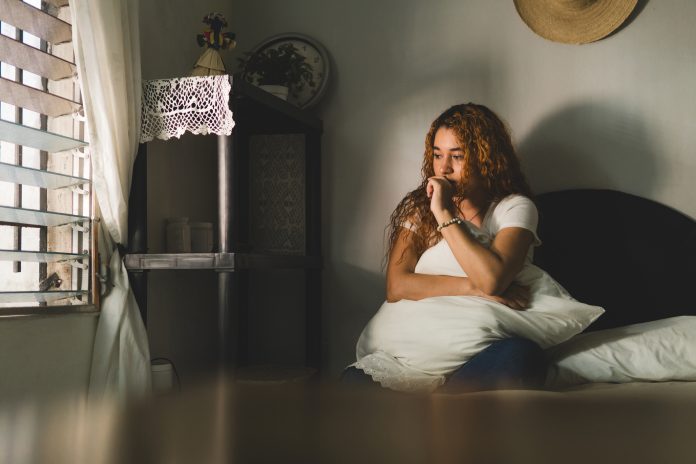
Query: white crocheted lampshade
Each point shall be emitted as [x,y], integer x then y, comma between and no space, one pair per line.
[199,105]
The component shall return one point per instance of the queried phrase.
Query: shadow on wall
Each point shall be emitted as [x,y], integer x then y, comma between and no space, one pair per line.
[640,6]
[361,294]
[590,145]
[372,172]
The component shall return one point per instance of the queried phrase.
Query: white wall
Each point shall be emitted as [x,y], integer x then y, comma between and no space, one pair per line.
[616,114]
[46,357]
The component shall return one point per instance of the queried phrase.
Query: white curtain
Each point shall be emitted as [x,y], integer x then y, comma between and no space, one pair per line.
[107,53]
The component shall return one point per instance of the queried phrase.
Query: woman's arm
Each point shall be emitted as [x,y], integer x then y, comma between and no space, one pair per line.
[490,269]
[404,284]
[493,269]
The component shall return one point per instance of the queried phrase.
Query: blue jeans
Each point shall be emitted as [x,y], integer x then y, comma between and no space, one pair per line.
[511,363]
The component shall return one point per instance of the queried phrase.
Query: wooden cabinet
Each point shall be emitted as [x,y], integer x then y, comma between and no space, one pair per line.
[268,216]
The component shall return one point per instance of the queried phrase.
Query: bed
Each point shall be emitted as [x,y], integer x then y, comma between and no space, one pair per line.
[636,258]
[633,256]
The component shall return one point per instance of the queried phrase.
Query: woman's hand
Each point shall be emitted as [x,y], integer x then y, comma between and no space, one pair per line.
[440,191]
[516,297]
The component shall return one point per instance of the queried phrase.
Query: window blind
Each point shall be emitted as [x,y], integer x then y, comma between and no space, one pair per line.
[46,207]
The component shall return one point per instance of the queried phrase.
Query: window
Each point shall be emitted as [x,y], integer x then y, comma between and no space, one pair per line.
[46,206]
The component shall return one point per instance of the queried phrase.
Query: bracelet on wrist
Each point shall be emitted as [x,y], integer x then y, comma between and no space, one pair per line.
[454,220]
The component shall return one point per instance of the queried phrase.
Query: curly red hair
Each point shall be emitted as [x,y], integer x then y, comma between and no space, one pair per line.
[488,155]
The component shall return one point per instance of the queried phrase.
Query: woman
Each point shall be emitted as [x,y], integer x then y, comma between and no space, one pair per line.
[466,231]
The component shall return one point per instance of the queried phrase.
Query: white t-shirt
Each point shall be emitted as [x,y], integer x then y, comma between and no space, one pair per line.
[512,211]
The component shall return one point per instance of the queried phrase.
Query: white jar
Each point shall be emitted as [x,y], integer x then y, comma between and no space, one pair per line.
[201,237]
[178,235]
[162,376]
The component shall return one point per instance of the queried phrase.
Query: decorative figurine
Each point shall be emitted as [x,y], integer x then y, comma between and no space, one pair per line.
[210,62]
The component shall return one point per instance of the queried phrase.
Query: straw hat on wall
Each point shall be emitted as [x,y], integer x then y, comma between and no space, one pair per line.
[574,21]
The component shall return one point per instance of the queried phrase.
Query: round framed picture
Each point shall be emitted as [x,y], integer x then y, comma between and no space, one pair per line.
[315,72]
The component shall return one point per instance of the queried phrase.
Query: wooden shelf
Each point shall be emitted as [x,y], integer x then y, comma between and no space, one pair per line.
[255,113]
[267,113]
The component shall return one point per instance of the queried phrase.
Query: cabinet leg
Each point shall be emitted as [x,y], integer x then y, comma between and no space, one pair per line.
[227,322]
[233,306]
[313,321]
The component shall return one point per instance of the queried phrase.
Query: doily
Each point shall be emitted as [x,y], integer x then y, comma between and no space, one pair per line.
[199,105]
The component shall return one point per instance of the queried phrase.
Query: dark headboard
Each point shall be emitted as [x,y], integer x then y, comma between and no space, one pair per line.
[632,256]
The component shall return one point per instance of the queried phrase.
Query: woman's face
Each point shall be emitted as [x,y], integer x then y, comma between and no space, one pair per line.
[448,161]
[448,156]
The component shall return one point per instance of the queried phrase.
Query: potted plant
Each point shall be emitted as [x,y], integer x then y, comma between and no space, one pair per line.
[283,66]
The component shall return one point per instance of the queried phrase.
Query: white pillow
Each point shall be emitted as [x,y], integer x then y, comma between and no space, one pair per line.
[407,342]
[437,335]
[651,351]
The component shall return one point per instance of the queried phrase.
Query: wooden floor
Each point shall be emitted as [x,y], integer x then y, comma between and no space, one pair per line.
[220,422]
